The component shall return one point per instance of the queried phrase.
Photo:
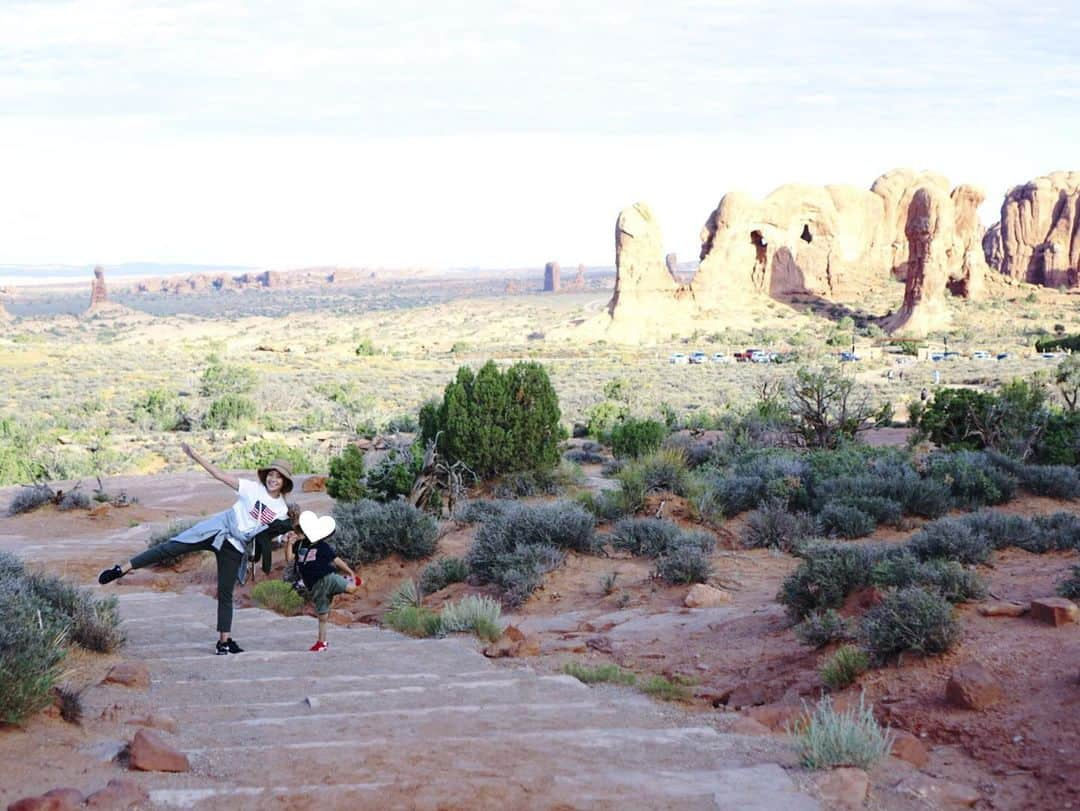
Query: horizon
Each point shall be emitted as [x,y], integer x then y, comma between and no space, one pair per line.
[494,136]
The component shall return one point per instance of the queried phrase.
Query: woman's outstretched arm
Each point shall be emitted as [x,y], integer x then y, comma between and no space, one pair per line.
[210,467]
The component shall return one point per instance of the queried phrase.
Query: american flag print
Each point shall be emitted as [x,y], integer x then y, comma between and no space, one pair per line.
[261,513]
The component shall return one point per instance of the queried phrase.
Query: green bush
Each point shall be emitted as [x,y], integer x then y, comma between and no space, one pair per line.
[346,479]
[911,619]
[278,596]
[635,438]
[527,483]
[31,653]
[952,418]
[650,537]
[230,411]
[603,417]
[476,614]
[662,472]
[262,452]
[949,578]
[395,474]
[950,539]
[157,409]
[848,738]
[414,621]
[773,526]
[821,628]
[476,512]
[973,478]
[221,379]
[684,564]
[845,521]
[74,499]
[843,668]
[1070,586]
[828,573]
[368,531]
[439,574]
[497,422]
[18,442]
[366,348]
[600,674]
[607,505]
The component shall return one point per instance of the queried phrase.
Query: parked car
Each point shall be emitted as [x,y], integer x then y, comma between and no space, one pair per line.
[951,356]
[746,356]
[760,356]
[698,357]
[981,355]
[846,357]
[1004,355]
[936,356]
[720,357]
[679,359]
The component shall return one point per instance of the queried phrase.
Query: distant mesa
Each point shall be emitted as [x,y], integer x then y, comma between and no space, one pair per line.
[552,277]
[821,241]
[1038,237]
[264,280]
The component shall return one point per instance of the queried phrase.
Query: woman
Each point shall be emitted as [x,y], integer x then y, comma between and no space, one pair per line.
[260,505]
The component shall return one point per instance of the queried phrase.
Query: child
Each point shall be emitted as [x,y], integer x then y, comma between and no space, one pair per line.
[260,507]
[316,561]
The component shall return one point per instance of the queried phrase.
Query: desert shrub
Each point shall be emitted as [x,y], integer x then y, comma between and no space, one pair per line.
[821,628]
[19,439]
[74,499]
[30,497]
[843,668]
[230,411]
[950,539]
[221,379]
[827,574]
[881,509]
[636,438]
[650,537]
[662,472]
[925,497]
[973,478]
[475,512]
[951,419]
[497,422]
[1054,532]
[278,596]
[441,573]
[90,622]
[846,521]
[607,505]
[395,474]
[827,411]
[735,494]
[603,417]
[262,452]
[665,689]
[1059,443]
[476,614]
[772,525]
[31,652]
[414,621]
[157,409]
[1001,530]
[160,536]
[952,581]
[368,531]
[685,564]
[346,479]
[366,348]
[910,619]
[584,457]
[1052,481]
[599,674]
[851,737]
[1070,586]
[527,483]
[406,594]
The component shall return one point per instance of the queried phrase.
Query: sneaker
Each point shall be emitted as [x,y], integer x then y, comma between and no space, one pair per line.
[319,647]
[222,648]
[231,646]
[109,575]
[359,582]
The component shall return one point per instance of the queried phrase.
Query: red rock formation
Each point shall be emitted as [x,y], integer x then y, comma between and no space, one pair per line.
[552,277]
[930,231]
[1040,231]
[98,294]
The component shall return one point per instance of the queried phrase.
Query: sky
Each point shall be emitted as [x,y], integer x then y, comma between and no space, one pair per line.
[495,134]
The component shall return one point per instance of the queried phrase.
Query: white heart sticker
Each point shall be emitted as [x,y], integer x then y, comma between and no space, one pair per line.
[316,527]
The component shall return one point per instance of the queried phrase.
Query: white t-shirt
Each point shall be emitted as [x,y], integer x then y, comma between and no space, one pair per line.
[255,508]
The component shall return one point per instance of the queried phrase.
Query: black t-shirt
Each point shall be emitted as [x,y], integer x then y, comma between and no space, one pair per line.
[314,560]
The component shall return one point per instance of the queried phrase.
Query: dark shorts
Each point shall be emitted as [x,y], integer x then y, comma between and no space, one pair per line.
[324,591]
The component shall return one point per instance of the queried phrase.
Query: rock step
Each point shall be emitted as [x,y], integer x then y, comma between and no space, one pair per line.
[753,788]
[204,701]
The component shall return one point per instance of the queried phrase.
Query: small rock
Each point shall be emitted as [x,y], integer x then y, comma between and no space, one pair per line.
[313,484]
[312,702]
[129,674]
[118,794]
[1003,609]
[149,753]
[104,751]
[973,687]
[157,720]
[702,596]
[778,717]
[843,788]
[909,748]
[601,644]
[1055,611]
[937,793]
[749,726]
[58,799]
[513,642]
[747,694]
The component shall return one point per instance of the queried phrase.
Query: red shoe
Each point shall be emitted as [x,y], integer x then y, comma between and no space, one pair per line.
[319,647]
[359,582]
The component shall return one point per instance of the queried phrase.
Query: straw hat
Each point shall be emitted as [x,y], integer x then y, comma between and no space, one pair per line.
[281,467]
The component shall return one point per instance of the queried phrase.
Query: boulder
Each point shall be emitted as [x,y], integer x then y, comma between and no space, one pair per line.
[129,674]
[1040,231]
[149,753]
[119,794]
[909,748]
[939,794]
[744,725]
[972,687]
[778,717]
[1001,608]
[513,642]
[1055,611]
[58,799]
[843,788]
[314,484]
[702,596]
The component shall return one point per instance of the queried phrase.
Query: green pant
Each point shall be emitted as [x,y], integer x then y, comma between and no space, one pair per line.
[228,564]
[324,591]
